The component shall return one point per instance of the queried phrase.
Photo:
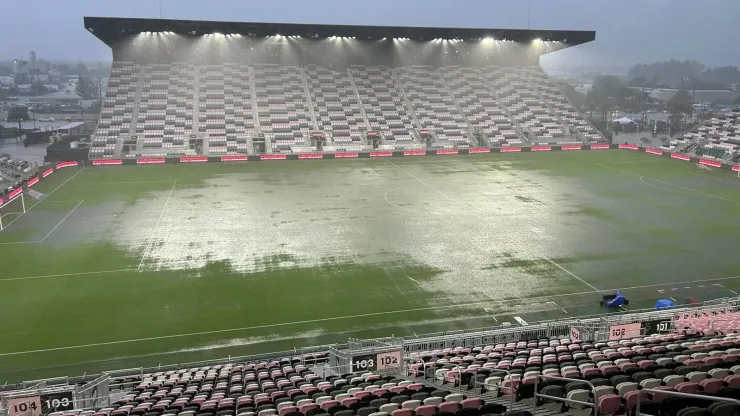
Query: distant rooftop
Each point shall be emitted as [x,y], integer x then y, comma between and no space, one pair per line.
[59,96]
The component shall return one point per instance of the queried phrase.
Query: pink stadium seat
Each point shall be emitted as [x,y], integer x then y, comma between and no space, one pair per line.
[449,407]
[426,410]
[349,401]
[474,403]
[732,381]
[711,385]
[686,387]
[329,403]
[609,404]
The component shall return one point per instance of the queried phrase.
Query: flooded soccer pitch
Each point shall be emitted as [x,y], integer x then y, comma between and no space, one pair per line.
[134,266]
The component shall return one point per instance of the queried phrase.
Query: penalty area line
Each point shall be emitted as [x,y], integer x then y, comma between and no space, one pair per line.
[42,200]
[60,222]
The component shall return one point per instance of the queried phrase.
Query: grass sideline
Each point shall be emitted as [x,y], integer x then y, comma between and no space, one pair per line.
[136,266]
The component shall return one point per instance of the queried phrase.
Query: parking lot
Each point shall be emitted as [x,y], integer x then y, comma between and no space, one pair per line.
[59,120]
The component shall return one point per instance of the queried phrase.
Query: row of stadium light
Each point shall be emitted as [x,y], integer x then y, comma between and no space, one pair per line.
[436,40]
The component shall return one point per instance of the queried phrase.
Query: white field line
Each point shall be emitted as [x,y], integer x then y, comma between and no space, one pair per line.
[39,241]
[119,183]
[19,242]
[521,321]
[60,222]
[480,215]
[221,331]
[156,226]
[385,196]
[336,318]
[64,275]
[47,195]
[572,274]
[678,191]
[420,181]
[668,183]
[413,280]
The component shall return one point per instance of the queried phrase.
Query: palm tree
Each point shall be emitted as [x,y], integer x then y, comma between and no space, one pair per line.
[19,114]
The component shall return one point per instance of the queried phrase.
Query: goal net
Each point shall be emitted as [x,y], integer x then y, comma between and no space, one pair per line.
[12,207]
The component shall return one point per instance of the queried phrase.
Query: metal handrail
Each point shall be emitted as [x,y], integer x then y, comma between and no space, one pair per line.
[560,399]
[685,395]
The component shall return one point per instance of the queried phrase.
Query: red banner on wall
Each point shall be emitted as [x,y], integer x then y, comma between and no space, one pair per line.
[272,157]
[414,152]
[447,151]
[653,151]
[150,161]
[381,154]
[600,146]
[47,172]
[708,162]
[510,149]
[234,158]
[346,154]
[15,192]
[104,162]
[541,148]
[310,156]
[33,181]
[629,146]
[572,147]
[479,150]
[680,156]
[68,164]
[193,159]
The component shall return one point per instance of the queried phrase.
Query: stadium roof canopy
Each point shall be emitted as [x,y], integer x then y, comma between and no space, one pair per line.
[113,29]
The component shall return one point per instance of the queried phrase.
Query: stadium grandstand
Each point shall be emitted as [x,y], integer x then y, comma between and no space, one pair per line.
[148,263]
[717,138]
[215,88]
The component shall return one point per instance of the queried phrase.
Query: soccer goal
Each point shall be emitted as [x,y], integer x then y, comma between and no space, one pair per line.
[15,206]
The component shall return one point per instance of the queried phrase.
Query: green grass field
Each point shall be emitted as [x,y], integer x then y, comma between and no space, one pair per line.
[123,267]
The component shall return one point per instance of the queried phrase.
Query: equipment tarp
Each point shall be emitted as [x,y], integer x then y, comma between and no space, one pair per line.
[617,301]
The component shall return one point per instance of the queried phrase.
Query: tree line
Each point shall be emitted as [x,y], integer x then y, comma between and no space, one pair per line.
[683,75]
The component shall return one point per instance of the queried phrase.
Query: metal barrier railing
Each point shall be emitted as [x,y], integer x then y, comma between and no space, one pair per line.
[560,399]
[684,395]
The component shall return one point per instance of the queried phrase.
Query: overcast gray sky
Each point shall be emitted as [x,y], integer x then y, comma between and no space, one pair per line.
[627,31]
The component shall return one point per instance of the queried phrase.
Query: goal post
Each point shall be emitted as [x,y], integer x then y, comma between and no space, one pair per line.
[15,206]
